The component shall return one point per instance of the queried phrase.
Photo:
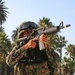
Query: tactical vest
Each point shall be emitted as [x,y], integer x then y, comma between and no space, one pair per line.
[34,56]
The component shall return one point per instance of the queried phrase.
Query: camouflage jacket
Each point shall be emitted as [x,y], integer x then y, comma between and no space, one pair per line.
[31,61]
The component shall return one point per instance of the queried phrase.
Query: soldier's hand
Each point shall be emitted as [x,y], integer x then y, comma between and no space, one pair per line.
[30,44]
[43,38]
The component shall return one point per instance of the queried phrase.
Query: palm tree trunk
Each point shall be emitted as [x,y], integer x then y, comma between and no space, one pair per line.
[4,68]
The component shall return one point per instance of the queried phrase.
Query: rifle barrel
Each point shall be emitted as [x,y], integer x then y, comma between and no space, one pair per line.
[66,26]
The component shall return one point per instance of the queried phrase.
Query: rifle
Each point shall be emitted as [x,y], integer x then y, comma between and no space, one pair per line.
[47,31]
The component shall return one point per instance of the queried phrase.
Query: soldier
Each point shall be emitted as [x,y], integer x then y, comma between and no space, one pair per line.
[26,57]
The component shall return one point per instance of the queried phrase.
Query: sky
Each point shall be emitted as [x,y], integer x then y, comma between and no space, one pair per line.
[33,10]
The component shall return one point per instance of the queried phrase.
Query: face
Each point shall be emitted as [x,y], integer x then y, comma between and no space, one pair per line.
[27,33]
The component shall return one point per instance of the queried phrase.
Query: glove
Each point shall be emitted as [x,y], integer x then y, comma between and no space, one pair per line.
[43,38]
[30,44]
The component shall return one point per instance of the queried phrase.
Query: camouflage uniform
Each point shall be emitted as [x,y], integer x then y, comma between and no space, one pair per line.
[35,63]
[32,61]
[28,64]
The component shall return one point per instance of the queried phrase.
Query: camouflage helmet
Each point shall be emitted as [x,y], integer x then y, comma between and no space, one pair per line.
[26,25]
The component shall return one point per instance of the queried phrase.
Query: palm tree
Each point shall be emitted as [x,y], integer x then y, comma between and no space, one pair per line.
[71,52]
[5,47]
[45,22]
[65,65]
[2,29]
[3,12]
[5,42]
[14,35]
[61,42]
